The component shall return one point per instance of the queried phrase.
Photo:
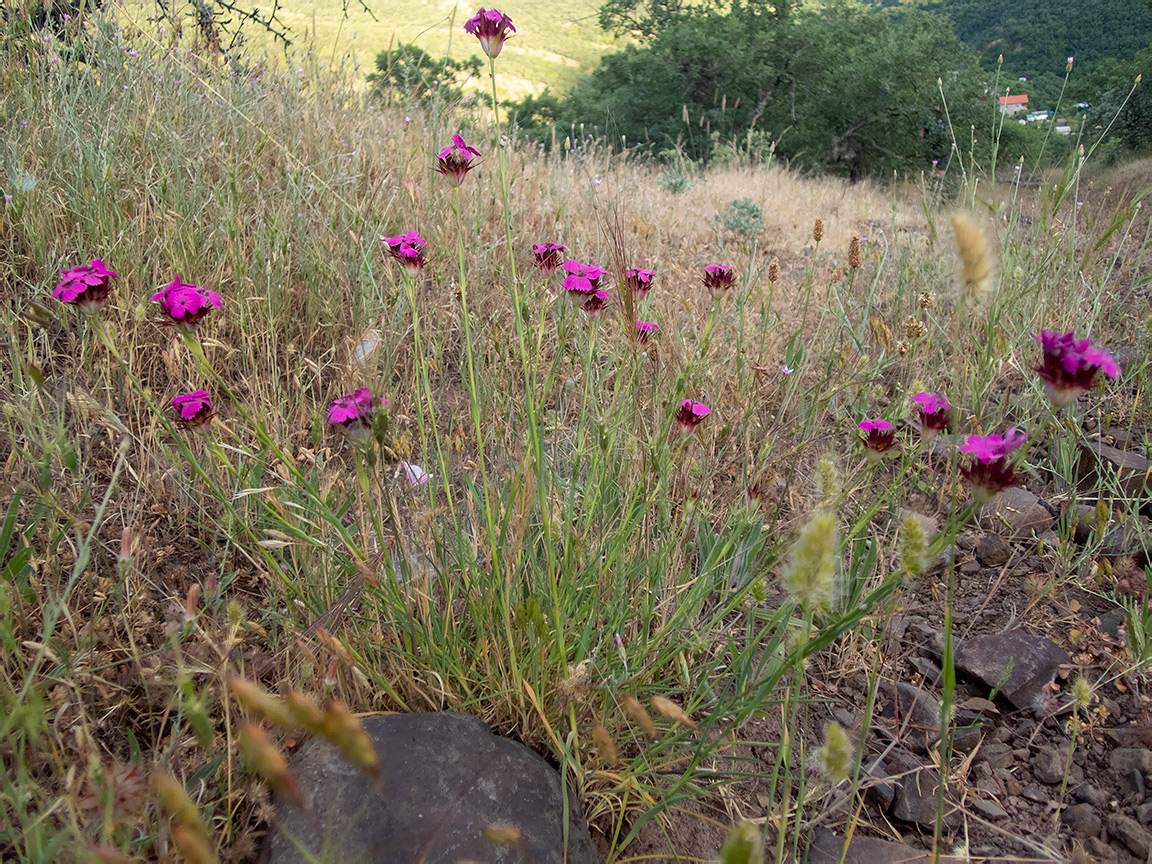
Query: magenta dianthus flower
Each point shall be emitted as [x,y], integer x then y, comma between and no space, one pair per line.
[354,412]
[408,249]
[548,256]
[989,471]
[596,304]
[85,286]
[193,410]
[645,330]
[718,278]
[640,281]
[1070,366]
[186,304]
[491,27]
[879,436]
[935,413]
[455,160]
[691,414]
[582,281]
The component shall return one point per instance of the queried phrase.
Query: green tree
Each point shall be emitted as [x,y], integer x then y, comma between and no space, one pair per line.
[413,75]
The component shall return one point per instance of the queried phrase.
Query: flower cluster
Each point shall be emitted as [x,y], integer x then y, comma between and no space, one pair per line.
[1070,365]
[640,281]
[353,413]
[85,286]
[596,304]
[989,471]
[935,413]
[186,304]
[548,256]
[408,249]
[491,27]
[193,410]
[690,414]
[718,278]
[645,330]
[455,161]
[879,437]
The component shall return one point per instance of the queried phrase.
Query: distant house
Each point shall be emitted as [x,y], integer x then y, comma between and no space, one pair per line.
[1014,104]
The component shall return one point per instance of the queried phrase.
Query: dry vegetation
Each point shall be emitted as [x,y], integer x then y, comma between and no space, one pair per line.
[144,564]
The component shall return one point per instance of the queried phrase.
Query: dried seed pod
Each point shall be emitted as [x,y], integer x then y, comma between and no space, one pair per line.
[854,253]
[774,270]
[818,230]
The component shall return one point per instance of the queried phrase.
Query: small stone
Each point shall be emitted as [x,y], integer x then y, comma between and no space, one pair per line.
[1125,760]
[1048,765]
[1034,661]
[1130,832]
[990,809]
[1086,793]
[992,550]
[845,718]
[827,847]
[917,714]
[996,753]
[1111,622]
[970,567]
[1035,794]
[1082,820]
[1017,513]
[1099,850]
[446,779]
[1104,465]
[1144,813]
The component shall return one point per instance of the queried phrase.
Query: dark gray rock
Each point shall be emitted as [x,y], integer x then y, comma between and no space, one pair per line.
[1144,813]
[1033,660]
[826,848]
[1131,833]
[989,809]
[446,783]
[1125,760]
[915,714]
[1017,513]
[1108,466]
[916,790]
[1048,765]
[992,550]
[1086,793]
[1082,820]
[996,754]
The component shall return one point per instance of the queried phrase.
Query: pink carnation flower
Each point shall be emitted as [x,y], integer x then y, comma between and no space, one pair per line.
[582,281]
[989,471]
[193,410]
[596,304]
[85,286]
[640,281]
[691,414]
[879,436]
[354,412]
[935,413]
[548,256]
[718,279]
[408,249]
[1070,366]
[455,160]
[186,304]
[491,27]
[645,330]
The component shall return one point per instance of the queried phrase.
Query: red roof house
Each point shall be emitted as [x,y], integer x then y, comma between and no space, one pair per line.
[1014,104]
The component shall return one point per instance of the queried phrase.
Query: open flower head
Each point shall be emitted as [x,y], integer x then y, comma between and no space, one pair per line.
[690,414]
[645,330]
[548,256]
[85,286]
[879,436]
[596,304]
[935,413]
[990,471]
[582,280]
[186,304]
[718,278]
[1070,366]
[353,413]
[408,249]
[640,281]
[193,410]
[455,160]
[491,27]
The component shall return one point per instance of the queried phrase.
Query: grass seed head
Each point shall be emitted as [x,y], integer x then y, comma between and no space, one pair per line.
[836,758]
[195,847]
[818,230]
[605,746]
[811,574]
[261,704]
[774,270]
[912,546]
[640,717]
[976,259]
[346,732]
[827,482]
[1081,693]
[667,708]
[265,759]
[745,845]
[304,712]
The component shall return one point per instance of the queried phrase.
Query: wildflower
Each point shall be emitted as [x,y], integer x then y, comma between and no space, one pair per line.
[596,304]
[811,573]
[853,253]
[354,412]
[186,304]
[455,160]
[640,281]
[835,758]
[990,471]
[408,249]
[914,328]
[879,437]
[718,279]
[691,414]
[548,256]
[491,27]
[414,475]
[86,286]
[975,258]
[935,413]
[1070,366]
[193,410]
[582,281]
[645,330]
[786,369]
